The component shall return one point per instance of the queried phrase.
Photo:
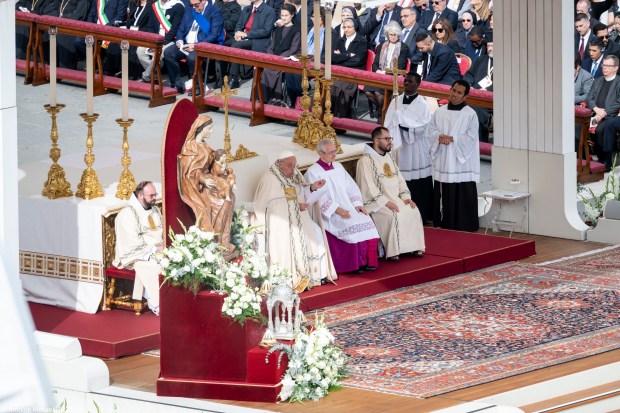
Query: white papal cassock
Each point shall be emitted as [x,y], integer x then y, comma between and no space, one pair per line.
[380,181]
[138,233]
[295,241]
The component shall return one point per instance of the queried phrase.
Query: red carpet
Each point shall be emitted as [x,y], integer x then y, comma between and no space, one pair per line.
[448,253]
[108,334]
[119,333]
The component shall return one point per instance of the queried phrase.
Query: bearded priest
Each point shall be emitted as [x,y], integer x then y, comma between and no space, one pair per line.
[387,198]
[293,239]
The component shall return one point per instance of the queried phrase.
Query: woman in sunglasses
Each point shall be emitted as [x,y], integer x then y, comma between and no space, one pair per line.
[442,33]
[468,20]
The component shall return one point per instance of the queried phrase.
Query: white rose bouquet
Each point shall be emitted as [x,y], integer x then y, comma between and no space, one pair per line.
[315,364]
[193,260]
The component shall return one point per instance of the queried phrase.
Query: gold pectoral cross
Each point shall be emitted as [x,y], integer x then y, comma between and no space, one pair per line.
[395,72]
[387,171]
[290,193]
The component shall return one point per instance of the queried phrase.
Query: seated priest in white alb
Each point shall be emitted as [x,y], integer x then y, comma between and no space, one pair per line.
[138,230]
[295,241]
[407,120]
[387,198]
[351,233]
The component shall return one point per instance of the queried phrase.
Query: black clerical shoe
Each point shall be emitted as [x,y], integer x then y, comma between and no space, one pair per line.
[323,281]
[418,253]
[371,268]
[394,258]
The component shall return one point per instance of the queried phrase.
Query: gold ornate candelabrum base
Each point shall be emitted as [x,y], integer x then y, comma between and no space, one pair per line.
[304,124]
[328,118]
[127,182]
[243,153]
[89,186]
[56,185]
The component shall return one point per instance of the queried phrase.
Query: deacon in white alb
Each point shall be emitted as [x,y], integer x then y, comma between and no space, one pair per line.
[408,126]
[453,137]
[138,230]
[295,241]
[387,198]
[351,233]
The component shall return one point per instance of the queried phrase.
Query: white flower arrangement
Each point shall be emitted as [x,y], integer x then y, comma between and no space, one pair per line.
[243,301]
[315,364]
[595,204]
[193,260]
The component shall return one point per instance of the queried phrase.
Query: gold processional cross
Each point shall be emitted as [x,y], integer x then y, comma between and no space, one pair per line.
[242,152]
[395,73]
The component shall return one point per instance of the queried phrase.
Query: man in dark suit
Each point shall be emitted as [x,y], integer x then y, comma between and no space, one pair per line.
[593,64]
[440,65]
[604,100]
[602,33]
[583,35]
[440,11]
[475,44]
[411,29]
[420,6]
[253,32]
[379,17]
[113,14]
[480,76]
[202,22]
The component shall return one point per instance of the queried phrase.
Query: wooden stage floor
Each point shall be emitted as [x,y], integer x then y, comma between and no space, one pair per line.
[140,372]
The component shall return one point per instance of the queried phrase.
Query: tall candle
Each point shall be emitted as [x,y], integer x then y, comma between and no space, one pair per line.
[89,75]
[328,45]
[125,79]
[53,32]
[304,27]
[317,34]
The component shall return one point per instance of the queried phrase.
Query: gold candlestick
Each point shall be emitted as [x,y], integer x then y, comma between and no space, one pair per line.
[394,72]
[303,124]
[317,110]
[127,182]
[56,185]
[89,186]
[328,118]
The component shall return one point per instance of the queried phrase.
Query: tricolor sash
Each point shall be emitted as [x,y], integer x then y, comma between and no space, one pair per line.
[101,17]
[161,16]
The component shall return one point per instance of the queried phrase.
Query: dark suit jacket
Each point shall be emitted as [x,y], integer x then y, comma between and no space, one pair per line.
[74,9]
[479,71]
[612,103]
[471,51]
[585,47]
[428,17]
[444,67]
[372,26]
[146,22]
[586,64]
[42,7]
[355,56]
[115,10]
[175,16]
[402,57]
[215,18]
[415,55]
[262,26]
[231,11]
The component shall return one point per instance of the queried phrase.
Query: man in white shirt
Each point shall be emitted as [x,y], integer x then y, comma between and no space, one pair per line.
[453,138]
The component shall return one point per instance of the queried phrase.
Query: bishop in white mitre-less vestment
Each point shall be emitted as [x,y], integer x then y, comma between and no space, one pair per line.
[455,151]
[351,233]
[387,198]
[138,237]
[407,120]
[294,241]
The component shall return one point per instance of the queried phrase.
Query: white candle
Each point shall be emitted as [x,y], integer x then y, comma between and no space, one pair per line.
[317,34]
[89,75]
[304,27]
[328,45]
[52,68]
[125,79]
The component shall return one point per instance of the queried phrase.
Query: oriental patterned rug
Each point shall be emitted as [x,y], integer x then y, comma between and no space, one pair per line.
[475,328]
[602,261]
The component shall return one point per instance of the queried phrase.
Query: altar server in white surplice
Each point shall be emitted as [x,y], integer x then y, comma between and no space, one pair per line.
[407,122]
[138,230]
[387,198]
[295,241]
[351,233]
[455,151]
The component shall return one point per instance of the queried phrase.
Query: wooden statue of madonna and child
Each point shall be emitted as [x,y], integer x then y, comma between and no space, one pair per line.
[206,183]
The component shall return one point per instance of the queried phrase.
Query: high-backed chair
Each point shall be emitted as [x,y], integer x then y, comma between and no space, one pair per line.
[464,62]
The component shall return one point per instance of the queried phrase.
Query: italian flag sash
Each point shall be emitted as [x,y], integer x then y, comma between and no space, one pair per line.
[161,16]
[101,17]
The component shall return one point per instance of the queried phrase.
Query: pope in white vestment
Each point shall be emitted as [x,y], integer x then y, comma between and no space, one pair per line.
[294,240]
[407,120]
[387,198]
[351,233]
[455,151]
[138,229]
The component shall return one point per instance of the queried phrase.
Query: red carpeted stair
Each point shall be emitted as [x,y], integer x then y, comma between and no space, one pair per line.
[108,334]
